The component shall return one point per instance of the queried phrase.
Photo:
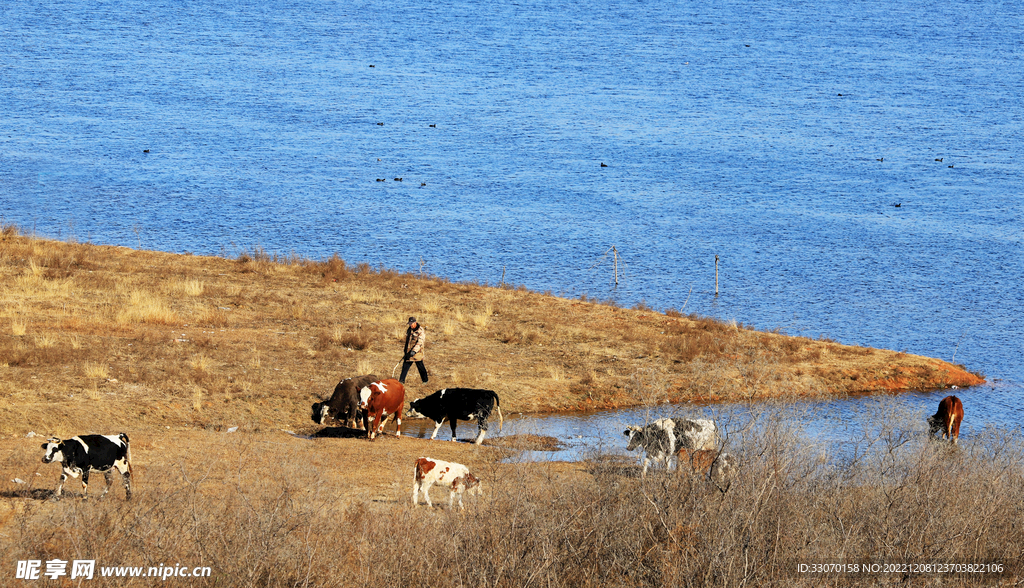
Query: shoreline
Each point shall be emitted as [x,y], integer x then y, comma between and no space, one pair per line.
[177,340]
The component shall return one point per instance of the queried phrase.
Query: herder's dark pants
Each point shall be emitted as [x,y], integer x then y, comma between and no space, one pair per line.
[419,366]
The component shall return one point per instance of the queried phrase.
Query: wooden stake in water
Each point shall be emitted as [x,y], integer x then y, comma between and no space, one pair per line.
[615,262]
[716,276]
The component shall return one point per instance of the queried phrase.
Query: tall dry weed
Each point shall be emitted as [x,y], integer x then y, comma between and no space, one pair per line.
[145,307]
[482,318]
[95,370]
[191,287]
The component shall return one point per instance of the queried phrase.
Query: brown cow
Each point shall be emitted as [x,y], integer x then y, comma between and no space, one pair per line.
[380,400]
[947,419]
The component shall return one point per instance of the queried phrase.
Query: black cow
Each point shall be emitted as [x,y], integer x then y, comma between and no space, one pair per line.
[344,403]
[452,404]
[85,453]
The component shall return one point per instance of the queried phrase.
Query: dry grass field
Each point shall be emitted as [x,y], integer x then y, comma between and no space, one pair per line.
[94,337]
[178,350]
[271,509]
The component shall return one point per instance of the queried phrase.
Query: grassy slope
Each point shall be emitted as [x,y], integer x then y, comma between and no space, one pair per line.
[173,349]
[92,337]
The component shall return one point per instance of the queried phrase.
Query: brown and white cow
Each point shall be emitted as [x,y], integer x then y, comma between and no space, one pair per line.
[947,419]
[454,476]
[719,467]
[698,460]
[380,400]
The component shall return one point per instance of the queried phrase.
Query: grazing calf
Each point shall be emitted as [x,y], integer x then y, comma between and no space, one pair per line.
[662,439]
[720,468]
[380,400]
[344,403]
[85,453]
[947,419]
[699,460]
[454,476]
[452,404]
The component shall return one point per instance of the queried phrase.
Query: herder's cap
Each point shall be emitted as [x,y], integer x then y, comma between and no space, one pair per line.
[412,319]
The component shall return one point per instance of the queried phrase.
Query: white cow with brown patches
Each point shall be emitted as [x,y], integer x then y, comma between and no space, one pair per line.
[454,476]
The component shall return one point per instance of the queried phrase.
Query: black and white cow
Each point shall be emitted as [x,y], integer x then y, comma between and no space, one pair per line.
[344,403]
[452,404]
[662,439]
[84,453]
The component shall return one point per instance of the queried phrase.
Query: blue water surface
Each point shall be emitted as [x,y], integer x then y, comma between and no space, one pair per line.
[777,135]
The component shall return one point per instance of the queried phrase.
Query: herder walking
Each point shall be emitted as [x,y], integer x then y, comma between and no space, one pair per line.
[415,339]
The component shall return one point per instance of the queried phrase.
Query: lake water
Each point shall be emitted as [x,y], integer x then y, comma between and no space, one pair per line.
[776,135]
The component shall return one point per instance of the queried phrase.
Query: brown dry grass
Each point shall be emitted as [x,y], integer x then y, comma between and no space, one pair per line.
[176,349]
[93,336]
[274,510]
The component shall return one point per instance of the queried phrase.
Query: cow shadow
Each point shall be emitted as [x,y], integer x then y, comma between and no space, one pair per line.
[339,433]
[30,493]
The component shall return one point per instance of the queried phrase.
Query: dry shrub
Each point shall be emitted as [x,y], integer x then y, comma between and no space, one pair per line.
[370,296]
[95,370]
[685,345]
[357,338]
[46,340]
[520,334]
[648,385]
[790,346]
[184,287]
[330,270]
[18,328]
[642,306]
[364,366]
[556,372]
[215,317]
[432,305]
[483,318]
[146,307]
[13,353]
[197,398]
[200,362]
[259,261]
